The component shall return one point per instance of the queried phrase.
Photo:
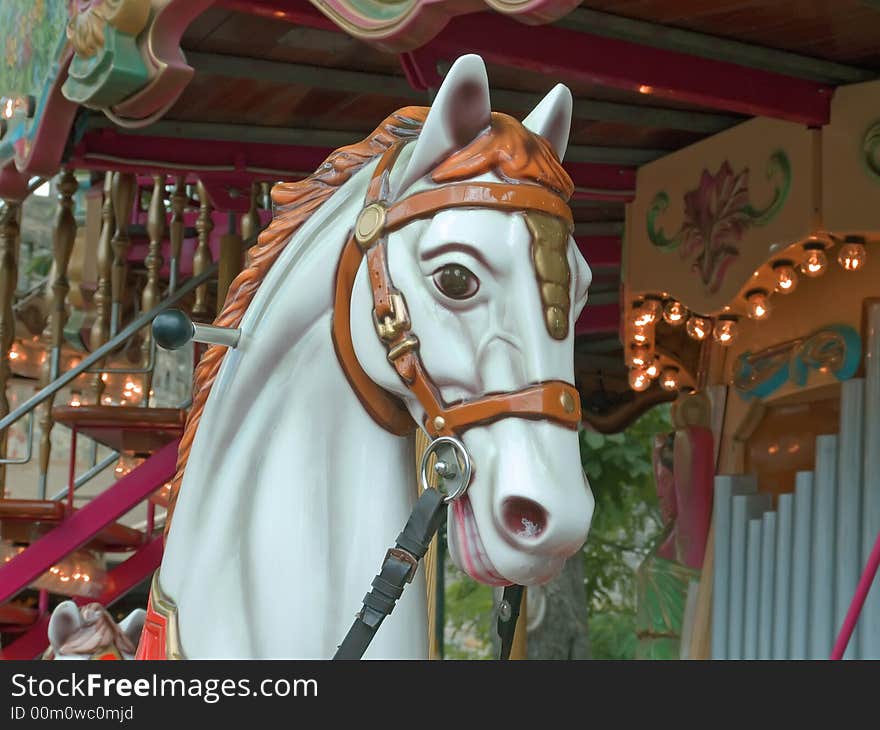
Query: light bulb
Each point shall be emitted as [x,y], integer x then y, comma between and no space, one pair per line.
[815,262]
[786,277]
[652,369]
[852,255]
[641,335]
[758,304]
[674,313]
[639,355]
[698,327]
[670,379]
[639,380]
[648,312]
[75,399]
[725,330]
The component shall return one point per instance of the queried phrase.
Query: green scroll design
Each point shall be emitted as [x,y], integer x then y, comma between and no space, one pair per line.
[871,149]
[778,166]
[656,235]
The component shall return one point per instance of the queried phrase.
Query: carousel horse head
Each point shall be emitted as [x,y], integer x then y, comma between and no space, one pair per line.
[425,278]
[89,632]
[464,309]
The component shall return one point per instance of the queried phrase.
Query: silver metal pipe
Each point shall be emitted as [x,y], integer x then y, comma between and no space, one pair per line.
[30,445]
[88,475]
[107,348]
[211,335]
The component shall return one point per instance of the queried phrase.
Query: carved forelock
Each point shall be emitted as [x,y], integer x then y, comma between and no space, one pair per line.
[506,148]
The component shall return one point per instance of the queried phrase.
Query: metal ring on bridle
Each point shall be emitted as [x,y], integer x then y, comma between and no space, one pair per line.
[449,451]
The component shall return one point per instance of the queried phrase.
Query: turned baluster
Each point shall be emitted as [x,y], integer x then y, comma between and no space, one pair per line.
[63,238]
[150,295]
[202,258]
[231,250]
[9,241]
[175,231]
[250,221]
[100,331]
[123,198]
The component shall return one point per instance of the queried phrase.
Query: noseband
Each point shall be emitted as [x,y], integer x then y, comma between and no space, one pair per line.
[553,400]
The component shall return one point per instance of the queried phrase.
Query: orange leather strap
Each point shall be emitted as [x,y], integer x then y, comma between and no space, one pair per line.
[555,400]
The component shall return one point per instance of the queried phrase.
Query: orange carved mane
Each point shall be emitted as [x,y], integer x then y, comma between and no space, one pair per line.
[506,148]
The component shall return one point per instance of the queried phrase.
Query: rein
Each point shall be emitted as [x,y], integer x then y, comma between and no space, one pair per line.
[553,400]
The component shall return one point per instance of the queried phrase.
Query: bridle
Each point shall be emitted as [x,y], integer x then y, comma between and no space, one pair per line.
[553,400]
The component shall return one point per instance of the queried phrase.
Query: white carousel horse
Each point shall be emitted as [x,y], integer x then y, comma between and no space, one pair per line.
[89,632]
[292,491]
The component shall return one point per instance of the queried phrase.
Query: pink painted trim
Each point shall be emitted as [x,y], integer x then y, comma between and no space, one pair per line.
[172,73]
[120,581]
[13,184]
[598,320]
[40,154]
[87,522]
[858,602]
[423,20]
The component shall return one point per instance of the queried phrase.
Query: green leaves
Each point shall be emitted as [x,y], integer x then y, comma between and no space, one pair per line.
[626,526]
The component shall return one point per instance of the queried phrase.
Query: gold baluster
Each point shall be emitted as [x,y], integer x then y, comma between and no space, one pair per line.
[9,240]
[250,221]
[100,331]
[175,230]
[202,258]
[123,197]
[62,246]
[231,250]
[154,261]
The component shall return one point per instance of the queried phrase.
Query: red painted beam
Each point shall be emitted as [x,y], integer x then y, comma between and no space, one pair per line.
[596,181]
[559,53]
[229,162]
[120,581]
[600,319]
[87,522]
[600,251]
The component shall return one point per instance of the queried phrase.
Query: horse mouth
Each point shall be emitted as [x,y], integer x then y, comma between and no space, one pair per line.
[472,552]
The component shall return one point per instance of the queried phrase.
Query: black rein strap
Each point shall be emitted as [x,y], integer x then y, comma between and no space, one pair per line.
[399,568]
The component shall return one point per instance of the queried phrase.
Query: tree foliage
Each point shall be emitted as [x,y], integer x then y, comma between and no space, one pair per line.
[626,526]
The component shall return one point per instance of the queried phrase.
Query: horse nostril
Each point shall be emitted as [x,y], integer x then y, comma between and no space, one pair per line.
[523,517]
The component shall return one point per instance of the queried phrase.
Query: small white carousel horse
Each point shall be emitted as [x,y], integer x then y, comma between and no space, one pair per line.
[91,633]
[450,224]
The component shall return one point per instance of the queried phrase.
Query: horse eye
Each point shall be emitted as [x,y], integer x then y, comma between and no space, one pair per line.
[456,281]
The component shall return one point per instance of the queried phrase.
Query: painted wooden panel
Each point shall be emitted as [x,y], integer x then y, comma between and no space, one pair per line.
[851,161]
[707,216]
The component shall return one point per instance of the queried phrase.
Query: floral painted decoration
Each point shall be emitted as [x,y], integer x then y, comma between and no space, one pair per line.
[717,213]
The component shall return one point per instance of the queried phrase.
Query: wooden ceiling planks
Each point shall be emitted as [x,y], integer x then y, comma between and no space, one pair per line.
[844,31]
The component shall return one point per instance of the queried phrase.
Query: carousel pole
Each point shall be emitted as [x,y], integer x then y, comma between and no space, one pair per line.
[175,231]
[430,561]
[154,261]
[100,331]
[123,197]
[62,246]
[231,250]
[9,242]
[202,258]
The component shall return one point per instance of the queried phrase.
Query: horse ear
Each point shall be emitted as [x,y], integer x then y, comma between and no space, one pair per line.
[552,118]
[460,111]
[133,625]
[65,621]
